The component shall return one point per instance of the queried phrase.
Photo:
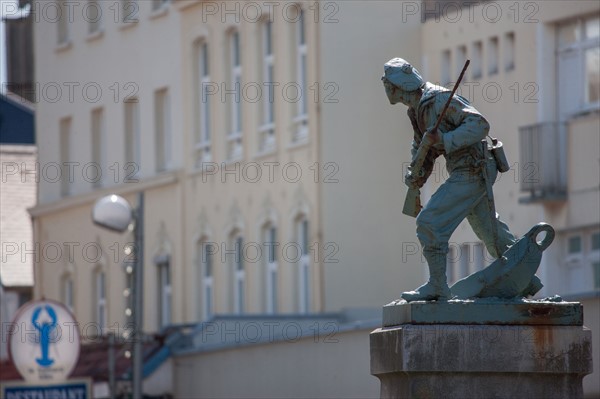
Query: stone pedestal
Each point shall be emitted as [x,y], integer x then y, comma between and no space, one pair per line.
[480,360]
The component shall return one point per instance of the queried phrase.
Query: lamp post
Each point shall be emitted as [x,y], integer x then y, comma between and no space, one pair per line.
[114,213]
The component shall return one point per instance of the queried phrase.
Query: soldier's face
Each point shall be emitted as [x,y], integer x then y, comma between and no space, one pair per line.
[395,94]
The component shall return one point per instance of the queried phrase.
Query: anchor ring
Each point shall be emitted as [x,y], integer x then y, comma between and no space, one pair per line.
[537,229]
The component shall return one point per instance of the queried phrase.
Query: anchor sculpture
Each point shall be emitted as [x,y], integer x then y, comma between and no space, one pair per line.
[512,275]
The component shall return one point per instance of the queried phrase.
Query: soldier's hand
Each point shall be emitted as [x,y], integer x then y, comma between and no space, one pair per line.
[411,181]
[432,138]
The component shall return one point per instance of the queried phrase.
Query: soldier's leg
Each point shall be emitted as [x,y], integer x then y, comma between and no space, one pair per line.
[481,221]
[450,204]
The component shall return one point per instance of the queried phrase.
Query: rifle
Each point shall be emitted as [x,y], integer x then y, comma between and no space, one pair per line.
[412,203]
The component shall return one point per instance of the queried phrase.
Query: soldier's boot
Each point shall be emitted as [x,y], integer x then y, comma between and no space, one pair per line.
[437,286]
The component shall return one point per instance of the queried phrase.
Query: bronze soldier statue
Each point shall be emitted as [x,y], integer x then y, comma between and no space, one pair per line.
[464,194]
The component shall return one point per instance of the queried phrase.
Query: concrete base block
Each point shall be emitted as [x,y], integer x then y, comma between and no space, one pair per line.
[481,361]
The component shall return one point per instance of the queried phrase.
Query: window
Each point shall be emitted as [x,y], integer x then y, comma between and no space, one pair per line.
[595,242]
[477,58]
[574,245]
[574,250]
[271,267]
[162,121]
[304,276]
[65,156]
[205,272]
[98,147]
[164,293]
[301,120]
[509,51]
[445,65]
[100,289]
[239,274]
[63,24]
[159,4]
[203,133]
[596,271]
[68,292]
[92,13]
[132,136]
[578,66]
[493,55]
[234,137]
[595,258]
[267,130]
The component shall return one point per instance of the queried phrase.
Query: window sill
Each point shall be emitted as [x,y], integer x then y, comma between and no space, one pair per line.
[267,152]
[160,12]
[585,111]
[64,46]
[202,167]
[231,161]
[574,262]
[298,144]
[94,35]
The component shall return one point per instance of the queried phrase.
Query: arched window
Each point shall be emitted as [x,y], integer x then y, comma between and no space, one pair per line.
[99,289]
[300,55]
[234,136]
[163,264]
[68,294]
[303,265]
[205,251]
[203,104]
[271,267]
[267,129]
[236,247]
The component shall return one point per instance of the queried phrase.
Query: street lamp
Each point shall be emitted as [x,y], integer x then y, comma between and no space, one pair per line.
[113,212]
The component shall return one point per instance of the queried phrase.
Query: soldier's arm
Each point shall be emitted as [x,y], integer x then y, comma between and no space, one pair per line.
[416,132]
[471,128]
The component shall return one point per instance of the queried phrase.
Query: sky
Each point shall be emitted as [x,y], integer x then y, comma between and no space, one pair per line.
[8,9]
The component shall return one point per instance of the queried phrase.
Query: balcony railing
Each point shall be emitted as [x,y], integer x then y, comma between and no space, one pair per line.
[543,162]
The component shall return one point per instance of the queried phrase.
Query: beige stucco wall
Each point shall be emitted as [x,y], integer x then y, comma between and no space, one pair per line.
[369,140]
[303,368]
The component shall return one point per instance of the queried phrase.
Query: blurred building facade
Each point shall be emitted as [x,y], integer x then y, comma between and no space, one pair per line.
[283,198]
[236,188]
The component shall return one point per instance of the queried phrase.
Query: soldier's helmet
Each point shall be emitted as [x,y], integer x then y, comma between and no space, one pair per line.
[403,75]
